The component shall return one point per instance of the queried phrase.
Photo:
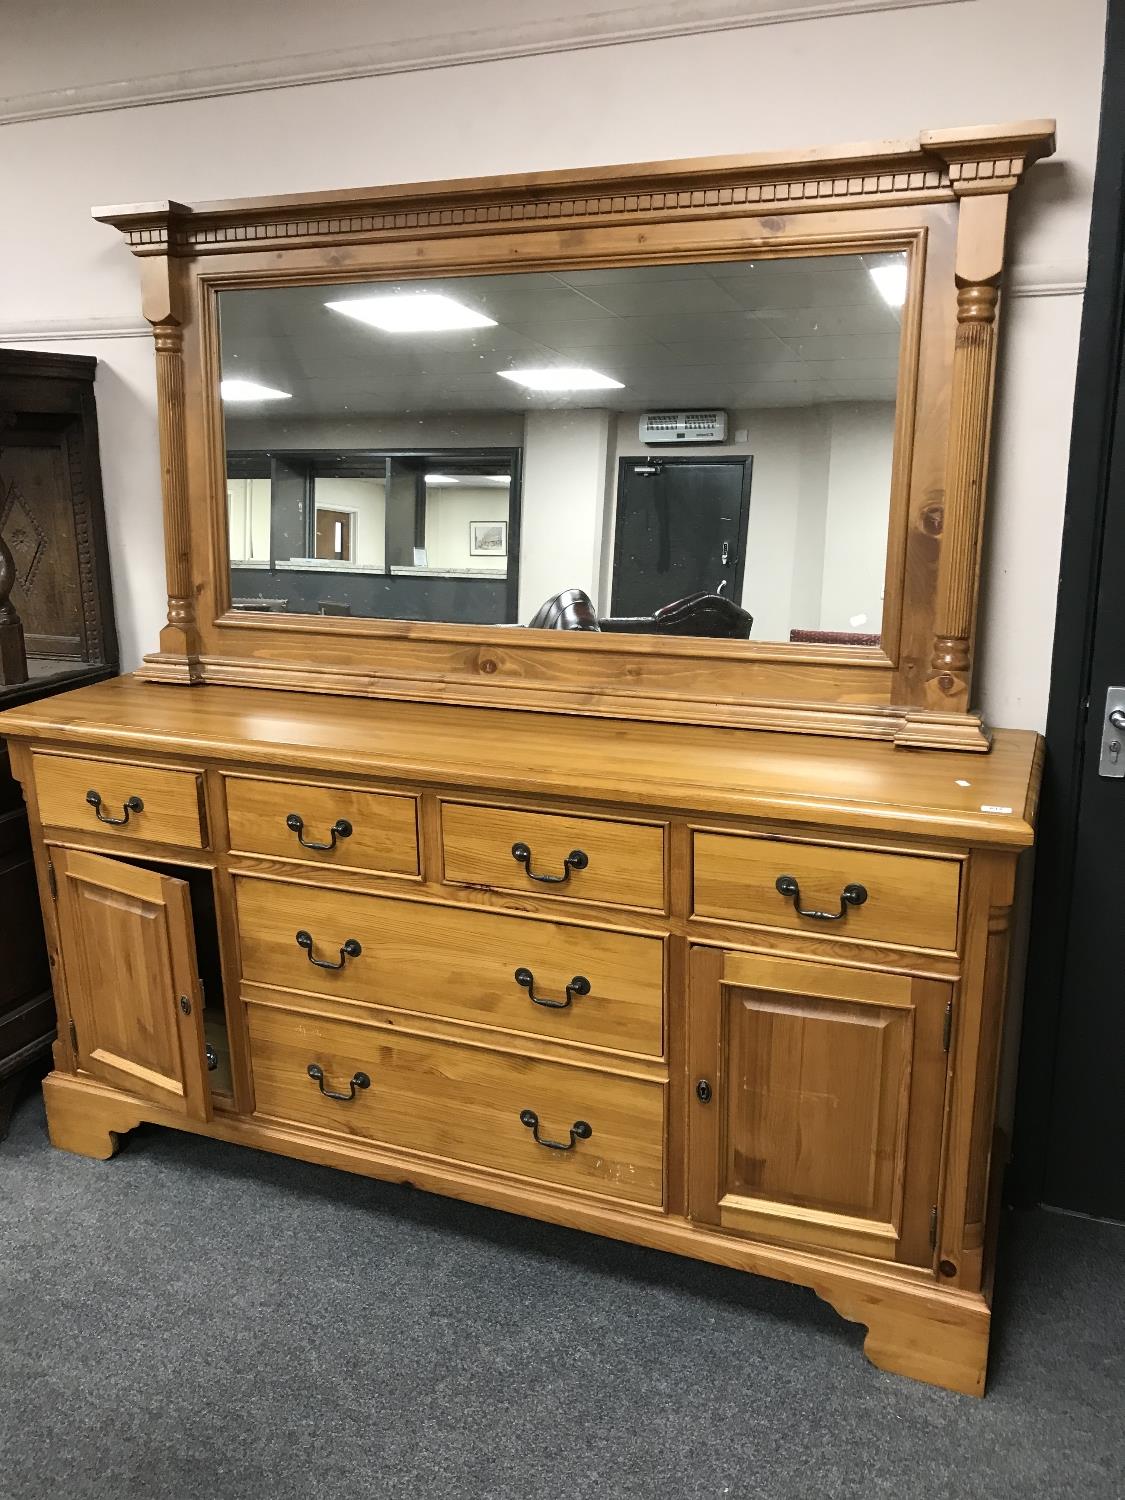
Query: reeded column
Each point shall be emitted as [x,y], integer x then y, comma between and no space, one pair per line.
[161,300]
[173,462]
[970,398]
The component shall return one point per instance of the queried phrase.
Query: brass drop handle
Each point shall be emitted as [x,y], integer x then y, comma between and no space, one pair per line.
[130,805]
[577,859]
[851,895]
[359,1081]
[351,949]
[579,1131]
[341,829]
[579,985]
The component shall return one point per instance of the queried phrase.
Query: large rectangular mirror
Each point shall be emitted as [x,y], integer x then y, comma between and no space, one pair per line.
[693,449]
[718,428]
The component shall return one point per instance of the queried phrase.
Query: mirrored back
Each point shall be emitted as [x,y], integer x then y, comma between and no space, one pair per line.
[698,449]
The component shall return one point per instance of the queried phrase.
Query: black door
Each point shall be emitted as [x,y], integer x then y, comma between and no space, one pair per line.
[1070,1124]
[1085,1159]
[681,529]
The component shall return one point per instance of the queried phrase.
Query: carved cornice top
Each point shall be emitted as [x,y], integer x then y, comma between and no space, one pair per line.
[990,159]
[937,167]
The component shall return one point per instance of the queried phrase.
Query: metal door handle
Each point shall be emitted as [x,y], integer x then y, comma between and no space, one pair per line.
[1111,760]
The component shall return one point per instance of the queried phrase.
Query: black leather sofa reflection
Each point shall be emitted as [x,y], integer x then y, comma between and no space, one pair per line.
[697,614]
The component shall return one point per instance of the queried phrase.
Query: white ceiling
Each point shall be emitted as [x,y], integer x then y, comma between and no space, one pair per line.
[741,334]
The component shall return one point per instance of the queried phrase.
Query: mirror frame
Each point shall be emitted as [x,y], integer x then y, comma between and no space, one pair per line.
[942,199]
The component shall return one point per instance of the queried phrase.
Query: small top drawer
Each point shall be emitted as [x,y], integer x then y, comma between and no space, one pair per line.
[583,859]
[324,824]
[827,890]
[153,803]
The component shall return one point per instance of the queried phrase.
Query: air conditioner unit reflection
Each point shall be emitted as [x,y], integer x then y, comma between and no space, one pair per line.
[683,427]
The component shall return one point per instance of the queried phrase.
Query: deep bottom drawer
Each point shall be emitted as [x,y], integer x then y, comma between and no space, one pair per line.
[467,1104]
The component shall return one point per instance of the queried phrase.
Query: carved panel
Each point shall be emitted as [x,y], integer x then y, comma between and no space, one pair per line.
[26,538]
[38,523]
[50,507]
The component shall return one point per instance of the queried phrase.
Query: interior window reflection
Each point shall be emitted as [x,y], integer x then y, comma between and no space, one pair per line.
[696,449]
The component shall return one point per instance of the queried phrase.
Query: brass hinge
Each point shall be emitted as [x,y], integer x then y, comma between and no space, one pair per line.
[947,1031]
[74,1038]
[933,1227]
[53,882]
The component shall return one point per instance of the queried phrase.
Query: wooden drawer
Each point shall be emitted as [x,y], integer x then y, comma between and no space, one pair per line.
[171,802]
[446,961]
[465,1104]
[910,899]
[363,830]
[583,859]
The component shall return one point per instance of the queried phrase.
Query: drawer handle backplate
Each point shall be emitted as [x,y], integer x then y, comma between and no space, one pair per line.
[351,949]
[359,1081]
[577,859]
[130,805]
[579,985]
[341,829]
[851,895]
[579,1131]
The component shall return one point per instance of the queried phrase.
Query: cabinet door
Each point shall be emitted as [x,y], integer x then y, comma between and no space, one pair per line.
[128,952]
[821,1121]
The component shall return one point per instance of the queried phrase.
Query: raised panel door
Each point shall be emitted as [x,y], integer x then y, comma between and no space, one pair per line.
[820,1118]
[132,983]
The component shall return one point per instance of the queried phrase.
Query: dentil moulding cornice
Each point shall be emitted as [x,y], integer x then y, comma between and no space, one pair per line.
[938,166]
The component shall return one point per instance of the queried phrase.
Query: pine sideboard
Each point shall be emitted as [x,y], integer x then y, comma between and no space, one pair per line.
[729,993]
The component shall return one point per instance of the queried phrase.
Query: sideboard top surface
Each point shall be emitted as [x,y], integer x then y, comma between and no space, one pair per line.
[966,798]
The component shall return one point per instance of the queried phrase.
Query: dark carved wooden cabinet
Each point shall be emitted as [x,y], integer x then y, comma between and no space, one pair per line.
[56,620]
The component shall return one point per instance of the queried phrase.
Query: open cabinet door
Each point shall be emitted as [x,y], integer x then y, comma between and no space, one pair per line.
[128,952]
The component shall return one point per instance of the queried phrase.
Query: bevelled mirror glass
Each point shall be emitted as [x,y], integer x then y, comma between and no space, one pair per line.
[698,449]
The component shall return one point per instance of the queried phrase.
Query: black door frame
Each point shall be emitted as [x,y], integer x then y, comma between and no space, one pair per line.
[1097,449]
[747,462]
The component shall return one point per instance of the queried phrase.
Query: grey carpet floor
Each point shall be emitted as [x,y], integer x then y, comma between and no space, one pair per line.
[194,1320]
